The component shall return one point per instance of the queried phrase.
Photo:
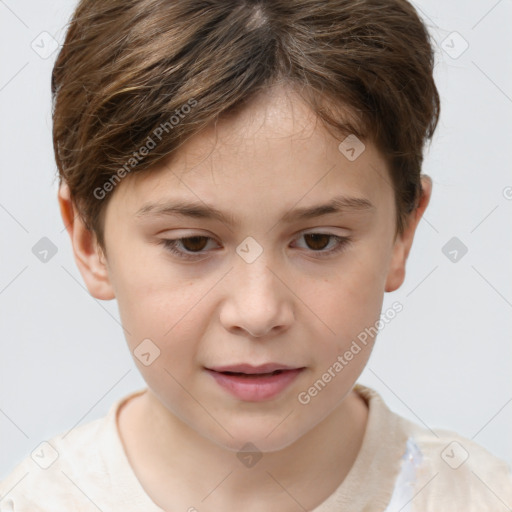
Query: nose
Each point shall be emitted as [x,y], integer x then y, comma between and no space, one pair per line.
[257,301]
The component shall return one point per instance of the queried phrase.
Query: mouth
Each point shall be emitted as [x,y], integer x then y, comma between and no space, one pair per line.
[255,383]
[248,369]
[254,375]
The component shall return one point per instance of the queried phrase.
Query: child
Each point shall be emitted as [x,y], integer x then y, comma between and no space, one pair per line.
[204,150]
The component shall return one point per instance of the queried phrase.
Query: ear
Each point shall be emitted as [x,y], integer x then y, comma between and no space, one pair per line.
[403,243]
[89,256]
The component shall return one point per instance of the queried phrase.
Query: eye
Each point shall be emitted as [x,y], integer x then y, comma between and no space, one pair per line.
[194,246]
[318,241]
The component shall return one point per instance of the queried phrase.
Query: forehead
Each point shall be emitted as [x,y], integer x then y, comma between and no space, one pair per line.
[272,153]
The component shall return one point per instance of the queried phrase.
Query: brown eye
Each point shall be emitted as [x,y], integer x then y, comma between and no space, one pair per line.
[187,248]
[318,241]
[324,244]
[195,243]
[195,247]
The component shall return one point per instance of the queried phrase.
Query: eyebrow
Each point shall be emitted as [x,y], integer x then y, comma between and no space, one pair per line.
[338,204]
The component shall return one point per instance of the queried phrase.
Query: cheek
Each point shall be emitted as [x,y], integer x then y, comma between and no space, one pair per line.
[156,301]
[169,314]
[349,307]
[351,300]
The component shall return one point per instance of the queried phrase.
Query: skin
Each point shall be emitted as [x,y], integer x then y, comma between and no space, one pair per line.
[291,305]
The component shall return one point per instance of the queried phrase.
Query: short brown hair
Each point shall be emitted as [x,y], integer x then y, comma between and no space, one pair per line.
[128,66]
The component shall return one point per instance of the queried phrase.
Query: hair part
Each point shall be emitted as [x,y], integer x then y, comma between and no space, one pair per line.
[128,69]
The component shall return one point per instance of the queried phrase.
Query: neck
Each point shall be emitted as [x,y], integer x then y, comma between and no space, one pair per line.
[178,467]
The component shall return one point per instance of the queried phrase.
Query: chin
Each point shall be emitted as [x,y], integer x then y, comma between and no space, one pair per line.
[245,436]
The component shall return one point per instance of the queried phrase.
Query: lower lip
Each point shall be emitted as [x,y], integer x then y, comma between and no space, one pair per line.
[255,389]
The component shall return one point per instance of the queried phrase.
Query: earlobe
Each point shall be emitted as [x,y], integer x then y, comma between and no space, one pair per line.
[403,242]
[89,256]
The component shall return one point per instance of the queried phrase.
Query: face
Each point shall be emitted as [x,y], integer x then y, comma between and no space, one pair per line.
[241,315]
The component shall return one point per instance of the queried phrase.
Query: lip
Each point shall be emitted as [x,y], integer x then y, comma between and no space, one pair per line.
[250,369]
[254,383]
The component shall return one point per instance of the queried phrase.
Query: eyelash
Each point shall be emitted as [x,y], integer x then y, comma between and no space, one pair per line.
[170,245]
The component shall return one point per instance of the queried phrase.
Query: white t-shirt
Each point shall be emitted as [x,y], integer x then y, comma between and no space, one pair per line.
[401,467]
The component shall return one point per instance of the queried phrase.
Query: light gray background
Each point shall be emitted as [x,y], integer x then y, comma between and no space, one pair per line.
[444,361]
